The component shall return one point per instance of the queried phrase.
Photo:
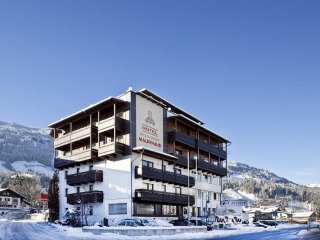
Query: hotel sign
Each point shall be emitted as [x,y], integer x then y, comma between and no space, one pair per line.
[149,120]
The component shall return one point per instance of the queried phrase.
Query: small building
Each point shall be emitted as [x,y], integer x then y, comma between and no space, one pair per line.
[303,217]
[11,200]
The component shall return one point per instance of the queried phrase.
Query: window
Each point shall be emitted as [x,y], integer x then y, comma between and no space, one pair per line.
[210,179]
[66,174]
[205,178]
[90,188]
[178,152]
[148,186]
[178,190]
[91,211]
[199,177]
[147,163]
[215,196]
[122,223]
[164,188]
[163,167]
[169,210]
[144,209]
[78,170]
[78,189]
[117,208]
[66,191]
[199,194]
[90,167]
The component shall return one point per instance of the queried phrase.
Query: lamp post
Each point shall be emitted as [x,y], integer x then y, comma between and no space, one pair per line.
[80,202]
[207,201]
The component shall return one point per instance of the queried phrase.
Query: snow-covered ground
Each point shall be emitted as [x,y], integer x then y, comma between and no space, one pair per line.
[32,229]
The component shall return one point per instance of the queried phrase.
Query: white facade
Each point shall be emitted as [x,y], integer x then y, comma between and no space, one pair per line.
[127,189]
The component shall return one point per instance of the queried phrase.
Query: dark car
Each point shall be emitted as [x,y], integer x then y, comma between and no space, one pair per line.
[180,222]
[129,223]
[269,222]
[202,223]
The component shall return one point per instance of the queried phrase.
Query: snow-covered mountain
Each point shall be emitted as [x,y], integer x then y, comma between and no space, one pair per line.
[313,185]
[25,149]
[243,171]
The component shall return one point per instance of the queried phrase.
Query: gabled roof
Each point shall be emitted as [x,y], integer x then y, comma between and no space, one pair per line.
[8,189]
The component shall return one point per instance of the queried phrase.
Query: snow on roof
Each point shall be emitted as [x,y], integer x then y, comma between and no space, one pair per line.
[143,148]
[4,189]
[302,214]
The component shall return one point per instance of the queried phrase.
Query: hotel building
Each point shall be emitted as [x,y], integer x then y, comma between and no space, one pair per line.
[129,156]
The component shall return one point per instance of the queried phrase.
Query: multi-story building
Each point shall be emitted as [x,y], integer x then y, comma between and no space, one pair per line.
[129,156]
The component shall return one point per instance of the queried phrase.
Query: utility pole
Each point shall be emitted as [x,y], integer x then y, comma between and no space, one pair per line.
[188,188]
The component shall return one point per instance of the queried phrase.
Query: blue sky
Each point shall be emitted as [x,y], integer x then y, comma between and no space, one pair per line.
[249,69]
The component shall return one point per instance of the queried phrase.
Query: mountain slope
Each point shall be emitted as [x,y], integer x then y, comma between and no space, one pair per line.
[244,171]
[23,148]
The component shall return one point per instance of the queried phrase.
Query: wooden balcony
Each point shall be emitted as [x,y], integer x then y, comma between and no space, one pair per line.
[85,177]
[82,155]
[85,197]
[163,176]
[144,195]
[113,122]
[183,162]
[176,136]
[74,136]
[112,149]
[212,168]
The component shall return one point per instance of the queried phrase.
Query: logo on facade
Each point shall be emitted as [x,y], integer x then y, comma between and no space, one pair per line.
[149,119]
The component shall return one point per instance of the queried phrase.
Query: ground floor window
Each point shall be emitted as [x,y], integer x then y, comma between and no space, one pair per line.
[169,210]
[145,209]
[91,211]
[117,208]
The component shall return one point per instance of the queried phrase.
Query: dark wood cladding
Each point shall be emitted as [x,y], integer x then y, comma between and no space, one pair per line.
[151,196]
[164,176]
[85,197]
[85,177]
[211,168]
[176,136]
[204,146]
[182,161]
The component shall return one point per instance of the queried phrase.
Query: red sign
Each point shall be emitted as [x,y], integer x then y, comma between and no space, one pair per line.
[44,195]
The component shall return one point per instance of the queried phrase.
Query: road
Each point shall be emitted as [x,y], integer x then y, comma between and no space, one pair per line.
[283,234]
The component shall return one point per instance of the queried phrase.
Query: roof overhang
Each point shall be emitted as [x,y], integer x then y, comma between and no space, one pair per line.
[87,110]
[154,153]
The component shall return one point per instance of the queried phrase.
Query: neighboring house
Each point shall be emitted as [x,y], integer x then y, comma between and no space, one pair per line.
[303,217]
[11,200]
[127,156]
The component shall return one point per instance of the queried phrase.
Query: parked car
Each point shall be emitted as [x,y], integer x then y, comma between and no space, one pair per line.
[269,222]
[198,222]
[129,223]
[147,222]
[181,222]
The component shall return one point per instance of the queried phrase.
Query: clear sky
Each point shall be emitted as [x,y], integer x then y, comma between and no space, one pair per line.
[249,69]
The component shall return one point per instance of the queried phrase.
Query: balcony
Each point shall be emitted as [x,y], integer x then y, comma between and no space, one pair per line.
[183,162]
[111,149]
[211,168]
[85,197]
[145,195]
[204,146]
[218,152]
[81,155]
[163,176]
[176,136]
[111,123]
[74,136]
[85,177]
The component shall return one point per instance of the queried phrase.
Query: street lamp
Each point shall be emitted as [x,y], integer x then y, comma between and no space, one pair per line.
[207,201]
